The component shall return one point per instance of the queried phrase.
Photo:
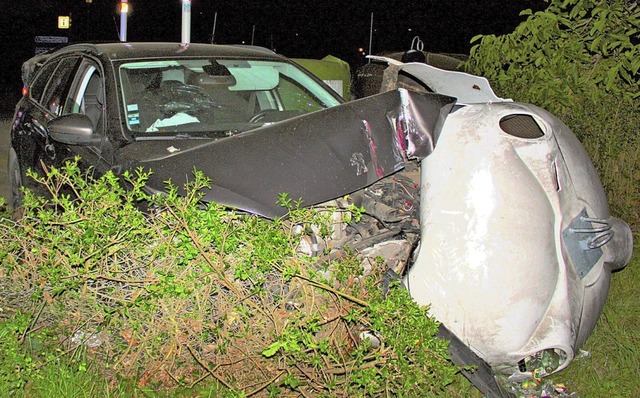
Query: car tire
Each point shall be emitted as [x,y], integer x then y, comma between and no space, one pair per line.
[15,184]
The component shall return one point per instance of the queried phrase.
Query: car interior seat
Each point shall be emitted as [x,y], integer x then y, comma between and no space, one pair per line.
[94,101]
[229,105]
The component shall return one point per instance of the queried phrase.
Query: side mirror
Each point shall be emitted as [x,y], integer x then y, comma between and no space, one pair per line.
[73,129]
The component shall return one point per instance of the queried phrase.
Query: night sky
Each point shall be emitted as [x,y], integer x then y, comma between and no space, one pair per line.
[310,29]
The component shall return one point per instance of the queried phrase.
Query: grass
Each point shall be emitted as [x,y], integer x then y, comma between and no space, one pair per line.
[68,381]
[610,136]
[611,369]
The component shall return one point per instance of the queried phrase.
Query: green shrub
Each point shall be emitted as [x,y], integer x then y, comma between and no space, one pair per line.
[194,296]
[572,49]
[17,367]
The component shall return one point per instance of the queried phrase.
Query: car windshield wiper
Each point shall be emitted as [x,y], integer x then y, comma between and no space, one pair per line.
[205,135]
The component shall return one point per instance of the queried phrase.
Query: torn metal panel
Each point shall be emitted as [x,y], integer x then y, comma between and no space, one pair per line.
[316,157]
[468,89]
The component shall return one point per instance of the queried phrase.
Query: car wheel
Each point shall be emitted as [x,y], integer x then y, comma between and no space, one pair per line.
[15,181]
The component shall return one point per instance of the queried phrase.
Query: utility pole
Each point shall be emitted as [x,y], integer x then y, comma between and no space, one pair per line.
[213,32]
[371,37]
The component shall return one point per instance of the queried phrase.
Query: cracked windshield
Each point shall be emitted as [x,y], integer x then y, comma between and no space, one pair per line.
[213,95]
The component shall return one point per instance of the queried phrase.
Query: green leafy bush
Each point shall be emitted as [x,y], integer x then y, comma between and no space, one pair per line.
[572,49]
[189,295]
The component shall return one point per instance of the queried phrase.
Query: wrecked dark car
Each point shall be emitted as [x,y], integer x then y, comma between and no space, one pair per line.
[489,210]
[117,105]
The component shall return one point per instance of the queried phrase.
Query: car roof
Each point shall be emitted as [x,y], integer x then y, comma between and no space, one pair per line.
[118,51]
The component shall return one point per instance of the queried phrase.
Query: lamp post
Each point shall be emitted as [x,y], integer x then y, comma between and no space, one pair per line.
[124,12]
[186,22]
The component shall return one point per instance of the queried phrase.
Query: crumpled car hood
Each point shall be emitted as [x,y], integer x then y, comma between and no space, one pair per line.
[315,157]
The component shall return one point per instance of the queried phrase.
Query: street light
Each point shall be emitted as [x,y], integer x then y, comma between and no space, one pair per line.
[186,22]
[124,12]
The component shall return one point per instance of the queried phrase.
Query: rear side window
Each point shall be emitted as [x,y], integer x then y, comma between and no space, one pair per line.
[57,87]
[40,82]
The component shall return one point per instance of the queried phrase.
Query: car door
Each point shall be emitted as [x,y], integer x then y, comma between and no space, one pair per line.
[86,96]
[63,86]
[30,139]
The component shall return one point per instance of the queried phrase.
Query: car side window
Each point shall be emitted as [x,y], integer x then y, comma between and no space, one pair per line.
[38,84]
[58,86]
[86,95]
[296,97]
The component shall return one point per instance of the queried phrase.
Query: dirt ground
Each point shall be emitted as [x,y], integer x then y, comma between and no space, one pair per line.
[4,155]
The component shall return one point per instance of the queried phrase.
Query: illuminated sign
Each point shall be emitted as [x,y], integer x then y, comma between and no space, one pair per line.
[64,22]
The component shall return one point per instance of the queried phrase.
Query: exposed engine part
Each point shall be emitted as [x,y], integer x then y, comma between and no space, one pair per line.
[388,229]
